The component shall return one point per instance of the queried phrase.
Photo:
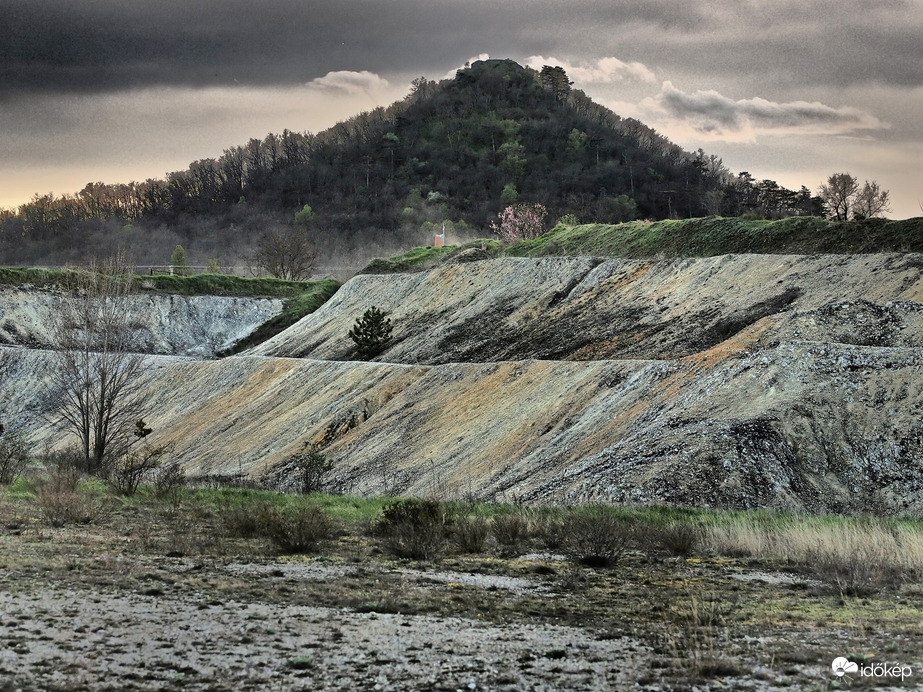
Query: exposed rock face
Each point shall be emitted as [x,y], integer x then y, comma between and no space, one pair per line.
[167,324]
[741,381]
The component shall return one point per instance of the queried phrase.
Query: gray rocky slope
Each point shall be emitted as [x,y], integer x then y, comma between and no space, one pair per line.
[201,326]
[737,381]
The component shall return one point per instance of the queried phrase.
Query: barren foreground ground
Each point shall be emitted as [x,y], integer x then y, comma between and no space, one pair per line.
[154,595]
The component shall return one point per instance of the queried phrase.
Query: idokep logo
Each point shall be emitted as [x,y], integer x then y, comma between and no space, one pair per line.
[843,667]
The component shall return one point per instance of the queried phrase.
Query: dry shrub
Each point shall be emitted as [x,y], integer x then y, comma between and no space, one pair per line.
[550,531]
[596,537]
[510,532]
[676,537]
[413,528]
[13,456]
[62,502]
[471,533]
[298,529]
[126,472]
[69,460]
[245,520]
[168,479]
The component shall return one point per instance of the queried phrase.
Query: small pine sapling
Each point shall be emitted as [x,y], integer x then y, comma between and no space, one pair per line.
[371,333]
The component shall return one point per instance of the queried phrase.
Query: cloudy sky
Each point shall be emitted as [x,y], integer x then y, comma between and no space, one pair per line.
[115,90]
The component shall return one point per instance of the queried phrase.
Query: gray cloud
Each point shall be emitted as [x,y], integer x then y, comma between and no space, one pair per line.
[363,82]
[712,113]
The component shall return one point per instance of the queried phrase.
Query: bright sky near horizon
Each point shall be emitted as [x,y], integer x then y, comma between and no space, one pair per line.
[104,90]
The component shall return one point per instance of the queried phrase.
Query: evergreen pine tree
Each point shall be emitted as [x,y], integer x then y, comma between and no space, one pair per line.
[371,333]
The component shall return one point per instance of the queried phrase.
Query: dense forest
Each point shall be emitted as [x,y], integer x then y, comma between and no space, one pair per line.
[451,155]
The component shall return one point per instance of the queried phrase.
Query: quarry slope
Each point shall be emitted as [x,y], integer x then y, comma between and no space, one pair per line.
[737,381]
[573,308]
[201,326]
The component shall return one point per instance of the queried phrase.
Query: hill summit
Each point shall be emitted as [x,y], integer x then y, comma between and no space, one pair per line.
[449,156]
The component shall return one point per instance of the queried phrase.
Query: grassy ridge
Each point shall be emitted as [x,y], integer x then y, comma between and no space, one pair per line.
[688,238]
[193,285]
[422,258]
[720,236]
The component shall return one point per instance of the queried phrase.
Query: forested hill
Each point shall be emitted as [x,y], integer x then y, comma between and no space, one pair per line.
[451,154]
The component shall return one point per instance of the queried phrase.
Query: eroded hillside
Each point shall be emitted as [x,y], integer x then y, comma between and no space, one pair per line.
[573,308]
[737,381]
[202,326]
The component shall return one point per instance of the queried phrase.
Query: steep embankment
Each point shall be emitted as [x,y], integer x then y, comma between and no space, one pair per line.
[589,309]
[801,425]
[742,381]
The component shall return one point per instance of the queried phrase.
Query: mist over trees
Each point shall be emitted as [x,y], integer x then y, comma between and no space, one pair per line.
[453,153]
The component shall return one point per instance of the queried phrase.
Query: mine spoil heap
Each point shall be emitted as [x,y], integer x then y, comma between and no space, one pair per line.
[733,381]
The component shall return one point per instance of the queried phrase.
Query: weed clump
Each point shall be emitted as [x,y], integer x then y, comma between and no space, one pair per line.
[596,538]
[550,531]
[413,528]
[298,529]
[471,533]
[62,501]
[511,531]
[245,520]
[680,538]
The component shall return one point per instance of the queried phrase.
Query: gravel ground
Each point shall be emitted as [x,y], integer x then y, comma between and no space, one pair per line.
[68,639]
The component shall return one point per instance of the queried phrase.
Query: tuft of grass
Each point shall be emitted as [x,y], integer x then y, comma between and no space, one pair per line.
[698,636]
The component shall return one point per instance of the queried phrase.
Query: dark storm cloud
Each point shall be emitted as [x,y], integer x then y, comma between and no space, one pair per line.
[105,45]
[108,45]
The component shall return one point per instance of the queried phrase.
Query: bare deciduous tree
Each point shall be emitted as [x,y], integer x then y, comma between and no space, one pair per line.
[871,201]
[287,253]
[13,447]
[844,198]
[97,373]
[838,194]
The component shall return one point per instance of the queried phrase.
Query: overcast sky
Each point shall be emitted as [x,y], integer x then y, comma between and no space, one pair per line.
[115,90]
